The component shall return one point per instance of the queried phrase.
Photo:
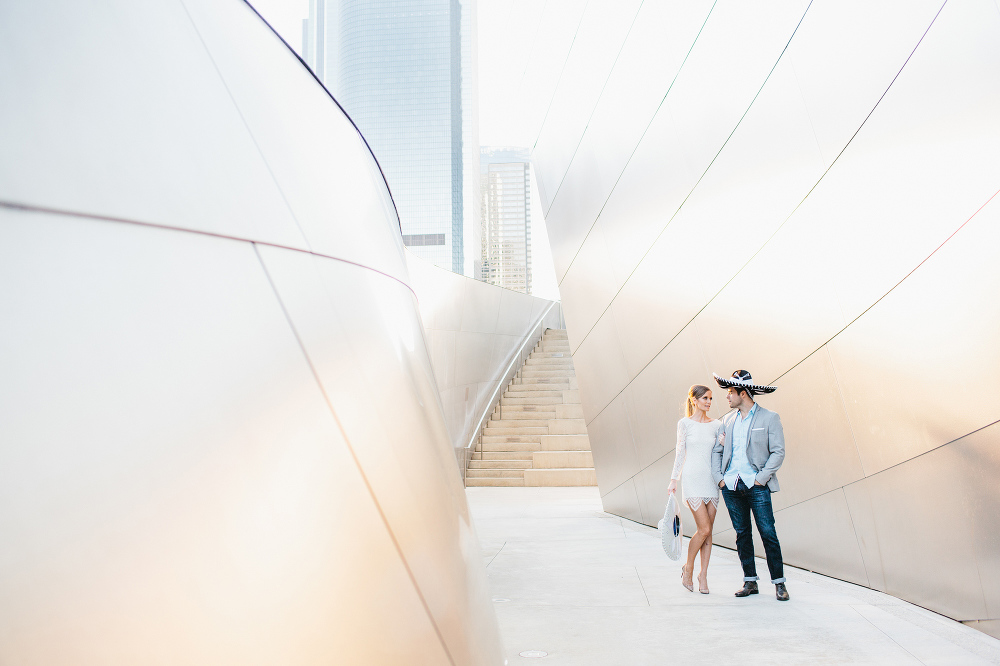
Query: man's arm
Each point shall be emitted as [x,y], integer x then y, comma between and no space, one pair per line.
[776,450]
[720,443]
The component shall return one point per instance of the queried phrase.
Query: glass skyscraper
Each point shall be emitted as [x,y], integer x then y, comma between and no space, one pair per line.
[506,215]
[404,70]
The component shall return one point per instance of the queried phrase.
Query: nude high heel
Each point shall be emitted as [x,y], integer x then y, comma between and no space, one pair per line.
[689,586]
[702,587]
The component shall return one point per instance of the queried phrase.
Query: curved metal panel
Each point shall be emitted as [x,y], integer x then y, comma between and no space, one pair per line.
[596,44]
[943,315]
[400,444]
[214,450]
[175,487]
[600,367]
[825,519]
[655,399]
[623,501]
[820,450]
[898,496]
[588,296]
[344,210]
[818,206]
[73,142]
[612,445]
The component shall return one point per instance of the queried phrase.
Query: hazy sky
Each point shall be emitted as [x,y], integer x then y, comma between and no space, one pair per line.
[511,103]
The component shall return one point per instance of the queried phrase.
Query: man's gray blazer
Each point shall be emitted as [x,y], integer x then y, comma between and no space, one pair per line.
[766,450]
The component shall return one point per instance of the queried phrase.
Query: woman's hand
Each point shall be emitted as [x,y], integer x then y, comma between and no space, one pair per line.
[672,488]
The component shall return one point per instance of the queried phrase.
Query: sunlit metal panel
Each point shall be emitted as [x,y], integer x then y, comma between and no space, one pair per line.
[818,206]
[222,435]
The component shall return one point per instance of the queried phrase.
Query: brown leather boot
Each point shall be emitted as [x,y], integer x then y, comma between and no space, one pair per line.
[749,587]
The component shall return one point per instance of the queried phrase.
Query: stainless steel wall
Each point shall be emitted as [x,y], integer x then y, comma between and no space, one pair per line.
[806,190]
[220,434]
[472,330]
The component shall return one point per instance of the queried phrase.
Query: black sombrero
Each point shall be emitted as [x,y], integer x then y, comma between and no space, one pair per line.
[742,379]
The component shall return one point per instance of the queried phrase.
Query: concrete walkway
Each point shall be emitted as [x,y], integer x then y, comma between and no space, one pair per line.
[587,587]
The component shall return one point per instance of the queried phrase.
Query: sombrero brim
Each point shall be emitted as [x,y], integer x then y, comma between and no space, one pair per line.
[755,389]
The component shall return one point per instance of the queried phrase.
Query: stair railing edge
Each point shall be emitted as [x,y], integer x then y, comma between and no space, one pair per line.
[515,362]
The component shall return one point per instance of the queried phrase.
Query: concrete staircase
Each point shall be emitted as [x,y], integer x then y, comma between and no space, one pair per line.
[537,435]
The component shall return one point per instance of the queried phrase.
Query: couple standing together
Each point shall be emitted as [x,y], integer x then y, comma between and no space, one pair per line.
[738,454]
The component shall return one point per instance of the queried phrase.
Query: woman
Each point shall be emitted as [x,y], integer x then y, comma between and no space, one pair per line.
[696,437]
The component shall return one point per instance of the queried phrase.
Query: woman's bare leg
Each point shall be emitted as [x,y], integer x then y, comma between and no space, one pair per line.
[703,532]
[706,547]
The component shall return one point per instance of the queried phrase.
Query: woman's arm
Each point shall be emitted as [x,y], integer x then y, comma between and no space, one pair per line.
[679,456]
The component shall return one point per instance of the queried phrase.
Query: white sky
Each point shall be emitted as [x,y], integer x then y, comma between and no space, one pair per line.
[506,36]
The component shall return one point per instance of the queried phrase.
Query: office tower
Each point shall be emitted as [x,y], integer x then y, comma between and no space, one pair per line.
[405,70]
[506,215]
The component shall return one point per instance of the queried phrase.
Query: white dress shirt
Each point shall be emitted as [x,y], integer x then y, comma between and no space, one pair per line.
[739,464]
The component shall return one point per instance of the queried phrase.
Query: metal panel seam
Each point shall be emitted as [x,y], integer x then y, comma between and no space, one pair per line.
[789,216]
[597,103]
[339,106]
[246,125]
[350,448]
[652,118]
[29,208]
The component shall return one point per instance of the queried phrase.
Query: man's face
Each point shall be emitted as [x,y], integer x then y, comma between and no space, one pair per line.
[734,398]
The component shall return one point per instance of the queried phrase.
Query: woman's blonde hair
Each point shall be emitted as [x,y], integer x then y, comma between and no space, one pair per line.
[694,393]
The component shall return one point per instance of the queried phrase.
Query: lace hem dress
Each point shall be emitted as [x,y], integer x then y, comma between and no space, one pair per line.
[693,461]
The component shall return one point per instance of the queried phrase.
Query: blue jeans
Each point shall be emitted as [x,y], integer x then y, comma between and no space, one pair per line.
[740,503]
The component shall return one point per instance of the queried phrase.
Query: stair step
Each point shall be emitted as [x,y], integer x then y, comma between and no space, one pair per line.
[475,481]
[515,431]
[520,448]
[503,464]
[512,439]
[564,443]
[546,372]
[542,401]
[567,427]
[530,409]
[560,477]
[519,423]
[524,456]
[569,411]
[494,473]
[509,414]
[529,393]
[549,383]
[561,459]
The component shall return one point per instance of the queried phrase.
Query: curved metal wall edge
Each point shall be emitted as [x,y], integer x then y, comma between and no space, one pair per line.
[871,329]
[342,109]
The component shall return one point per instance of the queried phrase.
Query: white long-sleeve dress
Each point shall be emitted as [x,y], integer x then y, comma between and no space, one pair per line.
[693,461]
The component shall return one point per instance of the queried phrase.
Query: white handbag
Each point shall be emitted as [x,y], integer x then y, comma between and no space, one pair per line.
[671,534]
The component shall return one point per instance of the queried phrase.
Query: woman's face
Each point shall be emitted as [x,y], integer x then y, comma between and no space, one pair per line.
[704,403]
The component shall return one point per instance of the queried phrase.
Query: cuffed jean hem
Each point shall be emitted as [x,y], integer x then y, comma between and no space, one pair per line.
[750,578]
[778,580]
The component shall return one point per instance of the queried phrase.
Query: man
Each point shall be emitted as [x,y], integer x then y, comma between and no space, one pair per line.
[750,448]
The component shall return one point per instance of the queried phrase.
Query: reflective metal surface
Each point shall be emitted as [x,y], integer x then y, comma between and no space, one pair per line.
[812,199]
[72,142]
[221,435]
